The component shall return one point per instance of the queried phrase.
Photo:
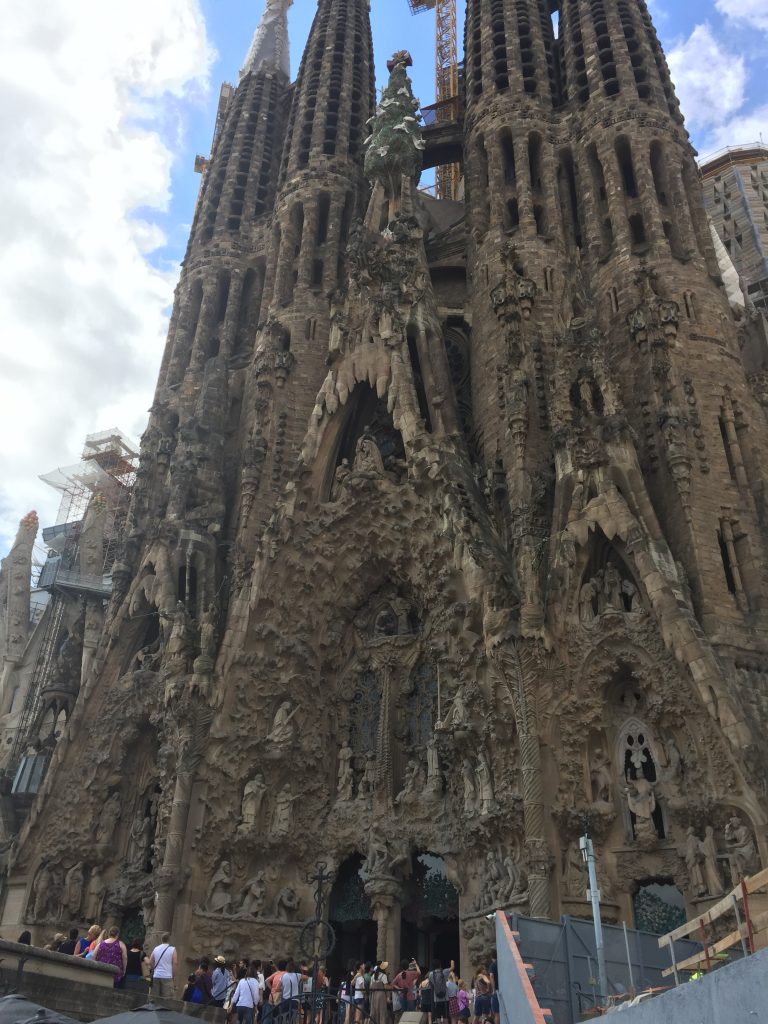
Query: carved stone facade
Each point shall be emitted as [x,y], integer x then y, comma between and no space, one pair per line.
[438,543]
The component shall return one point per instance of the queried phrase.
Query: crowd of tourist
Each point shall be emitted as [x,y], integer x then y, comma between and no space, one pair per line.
[288,991]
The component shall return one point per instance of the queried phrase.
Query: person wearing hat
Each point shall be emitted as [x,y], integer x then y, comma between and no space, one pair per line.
[221,982]
[381,1010]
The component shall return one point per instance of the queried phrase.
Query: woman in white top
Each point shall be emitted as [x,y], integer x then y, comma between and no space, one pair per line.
[246,997]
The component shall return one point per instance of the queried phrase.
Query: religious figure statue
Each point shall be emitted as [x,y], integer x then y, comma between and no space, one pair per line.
[712,877]
[434,777]
[470,788]
[485,784]
[283,817]
[742,852]
[73,891]
[208,633]
[587,596]
[179,639]
[410,782]
[254,894]
[694,859]
[253,799]
[600,775]
[368,781]
[282,732]
[674,761]
[219,899]
[575,877]
[346,783]
[612,588]
[377,861]
[494,876]
[141,841]
[42,897]
[94,897]
[368,457]
[630,592]
[456,718]
[287,905]
[641,798]
[518,878]
[110,816]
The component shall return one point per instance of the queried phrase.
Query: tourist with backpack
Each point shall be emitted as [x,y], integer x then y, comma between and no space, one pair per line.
[438,982]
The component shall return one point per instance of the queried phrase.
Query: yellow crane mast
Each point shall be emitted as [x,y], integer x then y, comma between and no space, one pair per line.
[446,80]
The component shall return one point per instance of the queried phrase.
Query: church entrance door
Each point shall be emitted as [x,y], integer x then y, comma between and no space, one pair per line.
[430,914]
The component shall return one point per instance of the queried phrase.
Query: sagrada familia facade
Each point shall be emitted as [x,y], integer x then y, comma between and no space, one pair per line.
[448,535]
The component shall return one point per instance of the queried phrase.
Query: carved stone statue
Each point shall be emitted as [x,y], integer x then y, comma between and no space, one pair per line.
[283,728]
[518,879]
[368,457]
[208,633]
[219,899]
[612,588]
[253,799]
[587,596]
[378,860]
[110,816]
[434,776]
[94,897]
[254,894]
[601,778]
[694,859]
[712,877]
[42,895]
[575,877]
[641,798]
[287,905]
[456,718]
[742,852]
[411,780]
[470,788]
[141,841]
[73,891]
[282,821]
[368,781]
[674,761]
[346,782]
[485,784]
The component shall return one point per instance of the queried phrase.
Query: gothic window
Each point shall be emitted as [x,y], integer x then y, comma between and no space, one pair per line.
[422,705]
[364,713]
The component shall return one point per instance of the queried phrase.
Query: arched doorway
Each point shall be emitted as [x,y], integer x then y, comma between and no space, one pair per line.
[430,913]
[349,913]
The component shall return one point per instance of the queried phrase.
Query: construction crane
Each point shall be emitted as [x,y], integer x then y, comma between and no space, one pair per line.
[446,80]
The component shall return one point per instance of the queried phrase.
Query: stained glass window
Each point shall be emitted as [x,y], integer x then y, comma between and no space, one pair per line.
[364,716]
[422,706]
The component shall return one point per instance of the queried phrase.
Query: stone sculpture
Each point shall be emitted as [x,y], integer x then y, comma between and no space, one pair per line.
[94,897]
[110,816]
[485,784]
[42,893]
[575,876]
[601,778]
[254,895]
[470,789]
[346,781]
[283,727]
[253,800]
[694,859]
[287,905]
[742,852]
[712,877]
[73,891]
[434,776]
[219,898]
[282,822]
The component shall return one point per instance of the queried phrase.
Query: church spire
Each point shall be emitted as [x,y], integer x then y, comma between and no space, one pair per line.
[270,47]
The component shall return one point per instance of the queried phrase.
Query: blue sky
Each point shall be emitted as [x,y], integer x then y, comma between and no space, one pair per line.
[103,107]
[686,27]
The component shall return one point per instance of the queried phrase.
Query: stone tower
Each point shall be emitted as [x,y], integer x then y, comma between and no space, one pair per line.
[449,528]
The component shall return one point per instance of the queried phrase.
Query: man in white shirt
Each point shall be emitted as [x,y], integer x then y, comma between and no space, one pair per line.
[164,963]
[221,982]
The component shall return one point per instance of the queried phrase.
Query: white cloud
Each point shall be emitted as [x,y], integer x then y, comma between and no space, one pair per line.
[92,101]
[710,81]
[751,12]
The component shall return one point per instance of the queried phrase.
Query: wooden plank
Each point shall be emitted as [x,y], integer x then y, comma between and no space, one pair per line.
[756,882]
[719,947]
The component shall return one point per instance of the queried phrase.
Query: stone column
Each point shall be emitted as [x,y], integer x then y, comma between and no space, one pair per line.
[230,325]
[385,895]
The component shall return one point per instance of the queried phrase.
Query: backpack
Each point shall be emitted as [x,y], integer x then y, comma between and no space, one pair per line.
[438,986]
